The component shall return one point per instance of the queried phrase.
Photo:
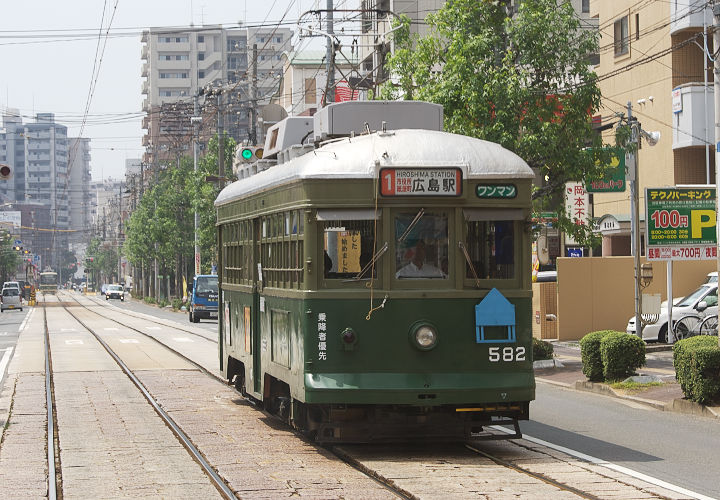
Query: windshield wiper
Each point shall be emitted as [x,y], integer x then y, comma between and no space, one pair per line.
[462,247]
[374,259]
[412,225]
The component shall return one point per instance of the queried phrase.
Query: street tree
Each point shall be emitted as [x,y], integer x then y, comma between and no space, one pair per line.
[522,80]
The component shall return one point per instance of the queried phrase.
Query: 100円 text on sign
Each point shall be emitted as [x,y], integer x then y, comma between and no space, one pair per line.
[680,223]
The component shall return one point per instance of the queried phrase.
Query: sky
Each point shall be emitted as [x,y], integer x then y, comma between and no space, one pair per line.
[50,50]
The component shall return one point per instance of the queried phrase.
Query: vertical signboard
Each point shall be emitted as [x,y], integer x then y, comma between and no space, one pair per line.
[680,223]
[577,206]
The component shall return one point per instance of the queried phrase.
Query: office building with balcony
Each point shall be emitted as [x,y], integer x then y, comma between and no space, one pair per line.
[37,154]
[79,191]
[651,56]
[180,62]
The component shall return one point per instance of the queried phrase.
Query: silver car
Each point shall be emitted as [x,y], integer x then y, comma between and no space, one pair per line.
[10,299]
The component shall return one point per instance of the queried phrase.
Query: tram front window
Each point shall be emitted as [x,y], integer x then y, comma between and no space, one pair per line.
[348,248]
[421,246]
[491,247]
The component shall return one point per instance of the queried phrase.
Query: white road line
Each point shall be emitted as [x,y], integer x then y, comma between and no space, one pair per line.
[68,330]
[153,328]
[129,341]
[25,321]
[4,362]
[610,465]
[73,342]
[110,329]
[182,339]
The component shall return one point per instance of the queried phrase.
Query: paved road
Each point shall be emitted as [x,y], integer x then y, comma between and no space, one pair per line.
[677,448]
[140,306]
[10,322]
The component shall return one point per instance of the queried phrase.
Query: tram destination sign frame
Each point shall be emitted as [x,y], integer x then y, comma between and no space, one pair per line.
[398,181]
[680,223]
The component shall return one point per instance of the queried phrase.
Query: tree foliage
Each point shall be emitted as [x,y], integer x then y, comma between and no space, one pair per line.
[162,226]
[522,80]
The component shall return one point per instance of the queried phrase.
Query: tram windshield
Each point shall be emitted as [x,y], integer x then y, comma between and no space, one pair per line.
[421,246]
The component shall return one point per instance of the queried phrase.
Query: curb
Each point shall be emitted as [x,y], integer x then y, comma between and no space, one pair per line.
[683,406]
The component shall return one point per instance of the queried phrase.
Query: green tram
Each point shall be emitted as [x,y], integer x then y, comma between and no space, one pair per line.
[48,282]
[378,285]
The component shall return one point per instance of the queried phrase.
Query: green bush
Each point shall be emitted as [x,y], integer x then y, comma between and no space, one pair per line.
[697,368]
[149,300]
[177,303]
[162,303]
[622,354]
[542,349]
[590,354]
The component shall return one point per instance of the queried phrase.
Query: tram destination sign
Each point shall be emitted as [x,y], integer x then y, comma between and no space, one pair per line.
[680,223]
[420,181]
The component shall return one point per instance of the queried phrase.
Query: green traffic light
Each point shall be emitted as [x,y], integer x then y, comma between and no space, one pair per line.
[246,154]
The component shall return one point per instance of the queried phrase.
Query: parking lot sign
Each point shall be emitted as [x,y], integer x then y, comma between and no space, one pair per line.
[680,223]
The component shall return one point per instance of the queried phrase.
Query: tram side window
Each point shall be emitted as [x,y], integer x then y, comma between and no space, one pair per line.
[491,246]
[348,246]
[421,246]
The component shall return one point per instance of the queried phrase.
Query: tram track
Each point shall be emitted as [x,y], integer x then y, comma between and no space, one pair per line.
[53,448]
[376,469]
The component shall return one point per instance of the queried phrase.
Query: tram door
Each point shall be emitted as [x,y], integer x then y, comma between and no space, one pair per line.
[255,329]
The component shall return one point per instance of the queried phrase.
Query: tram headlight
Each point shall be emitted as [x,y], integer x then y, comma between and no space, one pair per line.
[424,336]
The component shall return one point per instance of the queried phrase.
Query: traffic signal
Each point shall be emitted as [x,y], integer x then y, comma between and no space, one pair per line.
[249,154]
[18,248]
[5,171]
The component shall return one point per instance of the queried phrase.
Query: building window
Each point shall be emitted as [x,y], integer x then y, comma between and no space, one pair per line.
[622,36]
[201,56]
[201,38]
[278,39]
[585,6]
[310,94]
[201,74]
[262,39]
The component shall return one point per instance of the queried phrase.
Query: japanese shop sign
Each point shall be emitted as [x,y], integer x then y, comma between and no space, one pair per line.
[614,179]
[420,181]
[577,206]
[680,223]
[505,191]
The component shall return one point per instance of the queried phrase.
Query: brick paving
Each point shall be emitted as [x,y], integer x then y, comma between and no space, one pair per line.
[23,458]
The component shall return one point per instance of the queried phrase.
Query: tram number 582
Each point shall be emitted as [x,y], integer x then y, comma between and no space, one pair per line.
[496,354]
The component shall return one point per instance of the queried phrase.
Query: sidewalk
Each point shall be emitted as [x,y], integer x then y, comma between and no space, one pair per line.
[566,370]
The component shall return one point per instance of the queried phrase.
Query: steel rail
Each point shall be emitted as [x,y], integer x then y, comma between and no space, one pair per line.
[217,481]
[536,475]
[52,471]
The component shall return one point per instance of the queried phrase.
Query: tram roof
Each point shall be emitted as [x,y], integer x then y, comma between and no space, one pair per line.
[356,157]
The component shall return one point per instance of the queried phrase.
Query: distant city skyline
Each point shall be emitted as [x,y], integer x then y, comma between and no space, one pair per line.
[51,58]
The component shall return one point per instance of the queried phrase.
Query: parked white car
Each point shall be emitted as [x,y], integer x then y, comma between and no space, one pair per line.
[11,299]
[703,299]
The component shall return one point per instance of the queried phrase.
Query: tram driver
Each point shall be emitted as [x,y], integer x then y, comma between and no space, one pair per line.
[418,267]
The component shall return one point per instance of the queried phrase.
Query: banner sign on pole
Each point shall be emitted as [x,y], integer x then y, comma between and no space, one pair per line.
[680,223]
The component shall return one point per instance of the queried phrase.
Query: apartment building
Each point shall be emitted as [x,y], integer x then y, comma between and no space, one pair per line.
[79,190]
[179,62]
[651,57]
[37,153]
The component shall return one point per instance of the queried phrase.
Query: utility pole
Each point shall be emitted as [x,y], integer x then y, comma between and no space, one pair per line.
[221,133]
[633,171]
[196,119]
[330,56]
[253,98]
[716,96]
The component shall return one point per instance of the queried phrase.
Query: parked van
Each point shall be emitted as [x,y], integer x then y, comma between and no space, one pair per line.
[203,298]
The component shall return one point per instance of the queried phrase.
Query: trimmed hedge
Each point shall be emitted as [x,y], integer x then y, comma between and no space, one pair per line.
[542,349]
[590,354]
[697,368]
[611,355]
[622,354]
